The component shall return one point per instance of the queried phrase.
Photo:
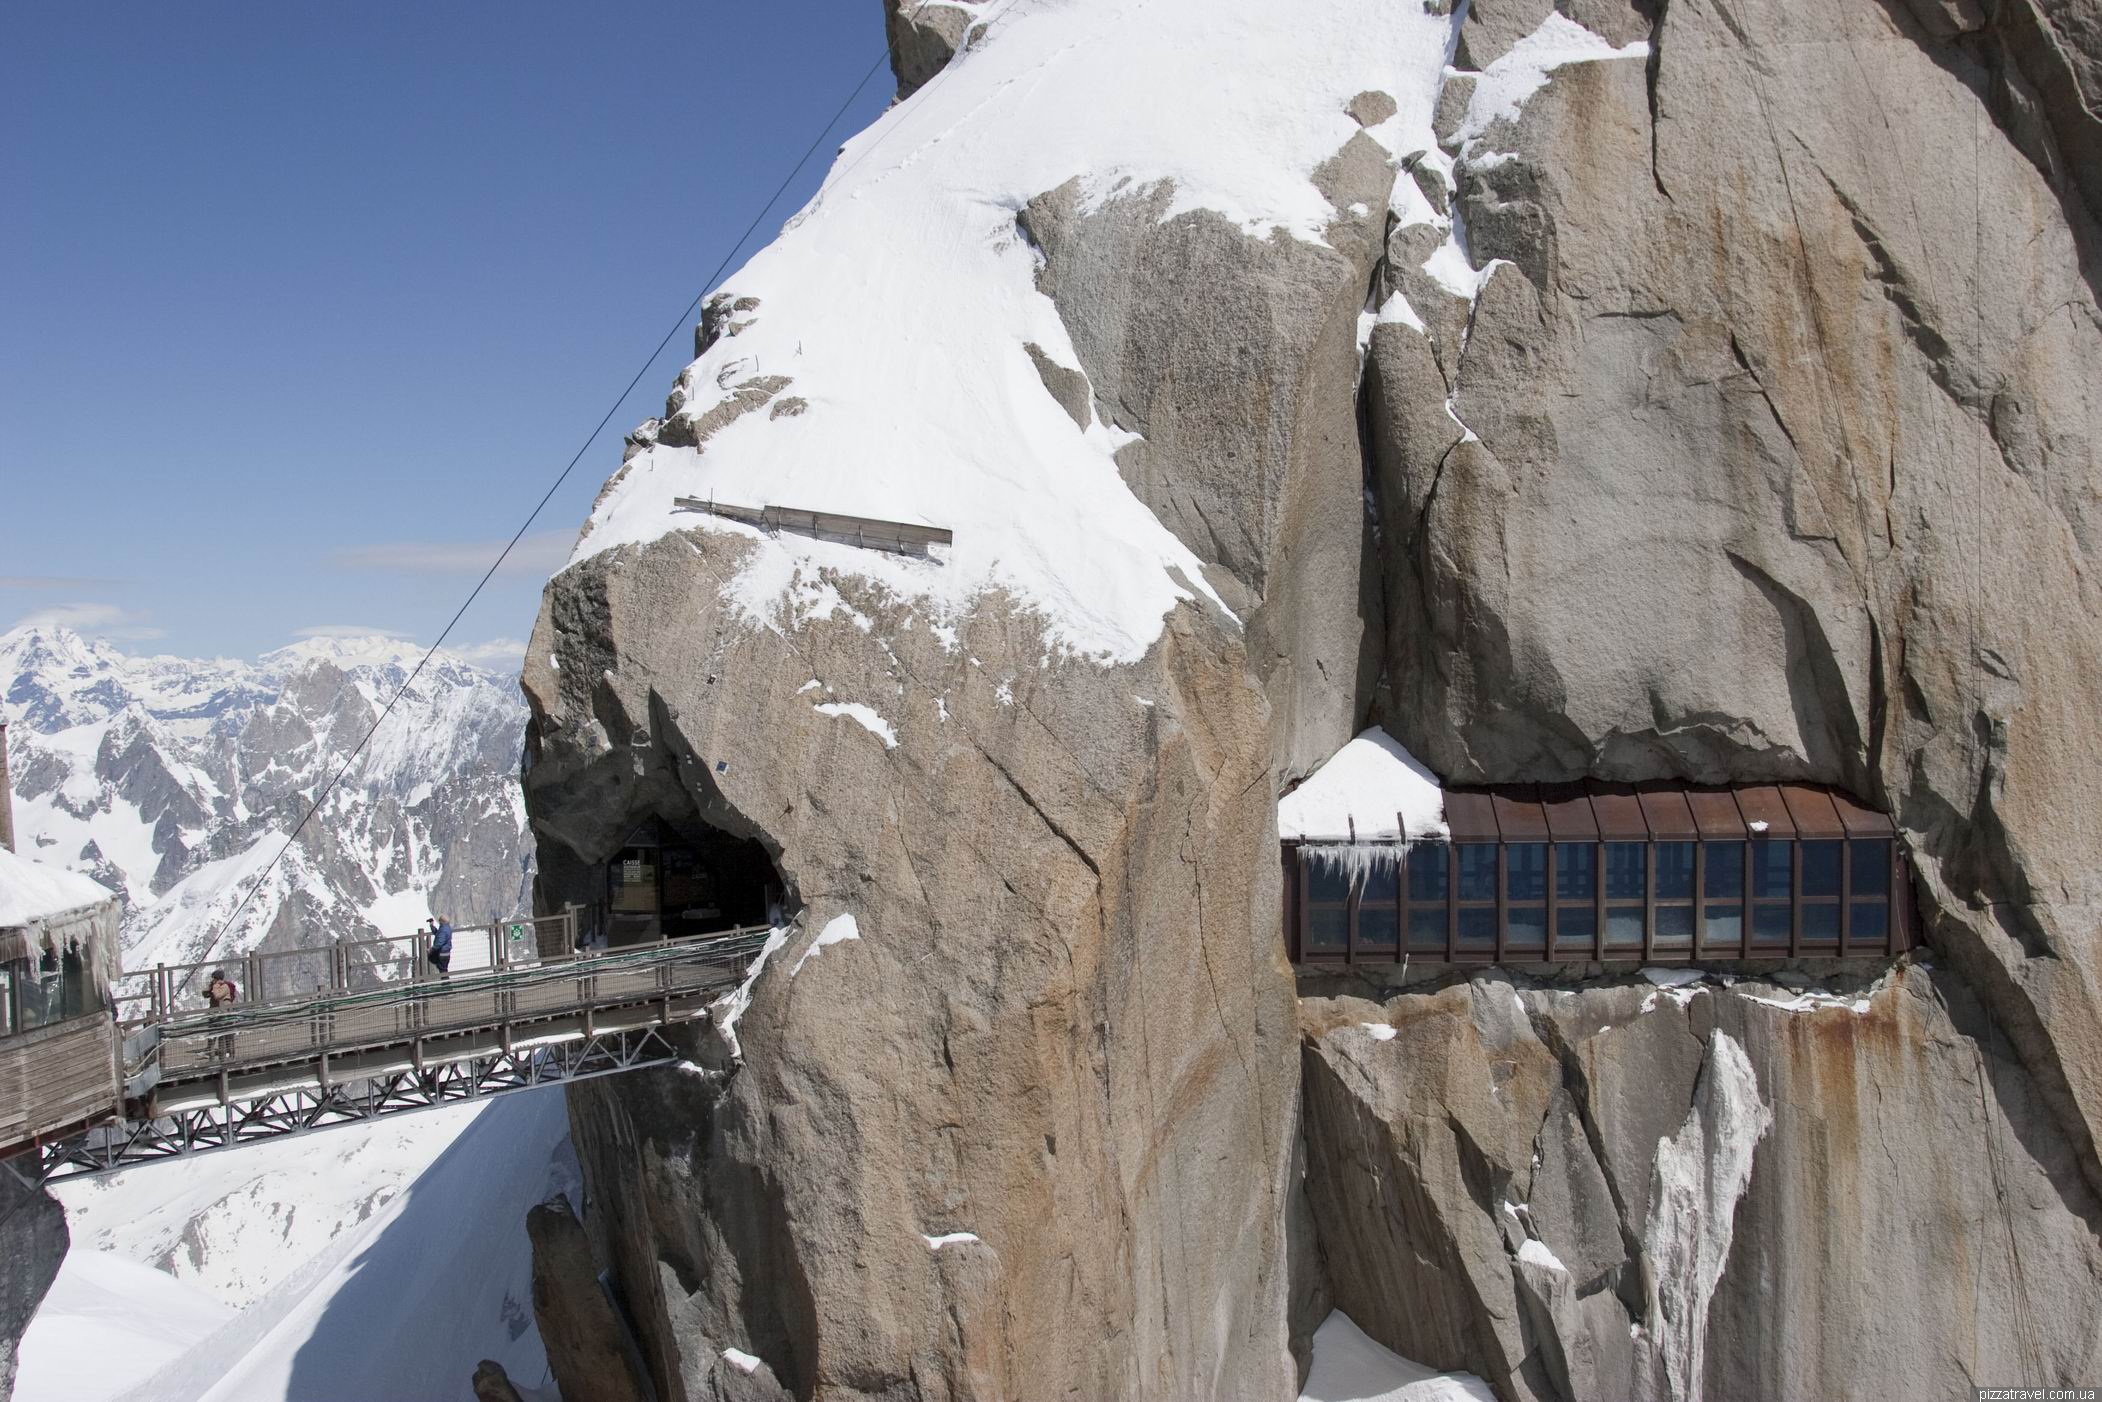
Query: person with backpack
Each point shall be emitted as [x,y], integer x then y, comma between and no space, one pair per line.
[220,994]
[442,946]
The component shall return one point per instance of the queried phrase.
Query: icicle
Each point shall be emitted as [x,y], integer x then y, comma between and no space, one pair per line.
[1355,860]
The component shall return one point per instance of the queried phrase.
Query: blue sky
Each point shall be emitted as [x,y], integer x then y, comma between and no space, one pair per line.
[306,305]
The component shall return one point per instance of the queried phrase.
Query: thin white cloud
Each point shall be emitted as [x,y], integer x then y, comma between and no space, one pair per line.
[107,621]
[498,654]
[539,555]
[346,630]
[52,581]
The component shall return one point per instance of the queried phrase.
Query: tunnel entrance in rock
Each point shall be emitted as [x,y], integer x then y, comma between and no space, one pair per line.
[670,878]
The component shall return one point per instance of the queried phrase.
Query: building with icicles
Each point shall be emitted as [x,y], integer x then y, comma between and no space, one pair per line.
[1384,865]
[58,958]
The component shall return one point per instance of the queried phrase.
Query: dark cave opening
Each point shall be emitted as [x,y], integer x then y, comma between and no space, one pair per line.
[671,878]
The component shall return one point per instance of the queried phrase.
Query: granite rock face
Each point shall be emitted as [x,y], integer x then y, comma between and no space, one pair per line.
[1768,446]
[1064,1028]
[1617,1190]
[33,1240]
[922,38]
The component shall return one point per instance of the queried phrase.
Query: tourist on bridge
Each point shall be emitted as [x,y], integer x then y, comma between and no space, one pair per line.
[442,945]
[220,994]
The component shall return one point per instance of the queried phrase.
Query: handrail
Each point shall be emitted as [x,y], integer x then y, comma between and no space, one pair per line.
[242,1016]
[572,964]
[390,960]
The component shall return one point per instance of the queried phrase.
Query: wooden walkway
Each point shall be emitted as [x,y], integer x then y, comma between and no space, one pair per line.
[194,1080]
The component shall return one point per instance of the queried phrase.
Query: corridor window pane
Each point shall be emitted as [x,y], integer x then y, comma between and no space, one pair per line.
[1427,929]
[1725,925]
[1770,924]
[1382,883]
[1674,925]
[1377,927]
[1574,926]
[1871,922]
[1527,928]
[1674,871]
[1725,877]
[1624,926]
[1821,869]
[1477,871]
[1525,871]
[1478,927]
[1821,922]
[1326,881]
[1428,871]
[1871,868]
[1576,871]
[1327,928]
[1770,868]
[1627,871]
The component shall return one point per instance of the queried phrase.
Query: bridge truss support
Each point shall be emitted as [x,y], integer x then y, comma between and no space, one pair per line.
[201,1129]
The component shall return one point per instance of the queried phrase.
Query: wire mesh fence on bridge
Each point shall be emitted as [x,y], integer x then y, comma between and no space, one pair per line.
[530,1009]
[266,977]
[497,992]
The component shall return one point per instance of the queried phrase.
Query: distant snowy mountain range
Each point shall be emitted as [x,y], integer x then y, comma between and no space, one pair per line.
[175,781]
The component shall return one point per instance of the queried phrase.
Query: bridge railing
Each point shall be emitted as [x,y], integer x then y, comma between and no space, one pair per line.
[293,976]
[190,1041]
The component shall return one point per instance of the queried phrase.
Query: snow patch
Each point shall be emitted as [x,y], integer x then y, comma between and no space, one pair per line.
[1371,790]
[1349,1366]
[864,716]
[1810,1000]
[1679,985]
[1537,1252]
[1396,310]
[936,1243]
[838,930]
[107,1324]
[1503,88]
[31,892]
[738,1001]
[399,914]
[740,1360]
[1378,1031]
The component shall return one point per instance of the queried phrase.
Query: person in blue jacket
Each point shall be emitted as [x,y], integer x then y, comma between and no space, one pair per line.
[442,945]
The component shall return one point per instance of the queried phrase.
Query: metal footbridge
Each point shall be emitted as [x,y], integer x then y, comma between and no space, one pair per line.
[354,1031]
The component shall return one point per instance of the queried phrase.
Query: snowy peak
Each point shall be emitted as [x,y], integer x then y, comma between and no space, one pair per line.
[58,678]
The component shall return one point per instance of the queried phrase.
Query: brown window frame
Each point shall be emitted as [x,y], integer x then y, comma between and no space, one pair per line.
[1307,907]
[1596,818]
[1545,905]
[1476,954]
[1409,904]
[1691,905]
[1359,905]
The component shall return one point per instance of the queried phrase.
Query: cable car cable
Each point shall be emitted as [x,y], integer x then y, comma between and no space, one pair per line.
[889,55]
